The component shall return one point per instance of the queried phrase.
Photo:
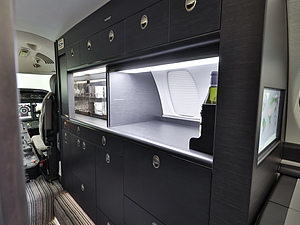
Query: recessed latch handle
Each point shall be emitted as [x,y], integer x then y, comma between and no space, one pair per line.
[190,5]
[144,22]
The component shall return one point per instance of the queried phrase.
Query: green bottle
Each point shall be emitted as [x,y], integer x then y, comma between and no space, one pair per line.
[212,94]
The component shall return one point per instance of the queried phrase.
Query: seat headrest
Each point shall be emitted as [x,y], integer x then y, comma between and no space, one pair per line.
[52,83]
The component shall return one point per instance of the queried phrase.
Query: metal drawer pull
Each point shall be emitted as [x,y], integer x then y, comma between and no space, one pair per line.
[72,52]
[190,5]
[144,22]
[83,145]
[89,45]
[78,130]
[107,158]
[107,223]
[153,223]
[66,136]
[111,35]
[78,143]
[82,187]
[103,140]
[156,161]
[65,124]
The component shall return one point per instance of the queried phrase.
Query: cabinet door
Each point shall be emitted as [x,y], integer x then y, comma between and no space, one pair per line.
[102,219]
[66,160]
[73,56]
[193,17]
[112,41]
[173,190]
[109,142]
[148,28]
[83,161]
[84,196]
[135,215]
[109,180]
[89,49]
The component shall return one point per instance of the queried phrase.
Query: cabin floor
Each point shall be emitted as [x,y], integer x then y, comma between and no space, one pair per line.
[49,204]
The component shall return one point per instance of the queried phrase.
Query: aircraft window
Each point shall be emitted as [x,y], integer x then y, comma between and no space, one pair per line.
[184,93]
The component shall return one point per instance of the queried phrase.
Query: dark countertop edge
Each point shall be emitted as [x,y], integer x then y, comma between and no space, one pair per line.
[199,158]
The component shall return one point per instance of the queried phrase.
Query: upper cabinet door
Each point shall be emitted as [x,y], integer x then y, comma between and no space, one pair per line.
[148,28]
[73,56]
[89,49]
[112,42]
[193,17]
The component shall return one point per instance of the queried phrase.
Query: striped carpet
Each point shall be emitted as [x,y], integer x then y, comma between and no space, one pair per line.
[68,212]
[40,196]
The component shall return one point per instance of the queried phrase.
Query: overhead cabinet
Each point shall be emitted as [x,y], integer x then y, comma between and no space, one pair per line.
[193,17]
[89,49]
[148,28]
[112,43]
[73,55]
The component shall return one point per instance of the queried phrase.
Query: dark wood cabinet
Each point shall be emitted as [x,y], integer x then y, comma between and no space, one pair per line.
[109,180]
[112,43]
[66,160]
[89,49]
[84,196]
[83,161]
[73,55]
[190,17]
[103,219]
[148,28]
[135,215]
[109,142]
[173,190]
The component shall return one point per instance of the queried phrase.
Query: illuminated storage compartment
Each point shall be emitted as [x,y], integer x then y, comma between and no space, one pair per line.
[89,94]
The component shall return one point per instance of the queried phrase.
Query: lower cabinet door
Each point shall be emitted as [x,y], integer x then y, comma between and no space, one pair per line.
[173,190]
[84,196]
[135,215]
[66,160]
[109,182]
[103,219]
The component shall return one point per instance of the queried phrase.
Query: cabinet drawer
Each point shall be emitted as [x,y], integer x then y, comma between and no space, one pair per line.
[109,180]
[173,190]
[66,160]
[148,28]
[83,161]
[73,56]
[89,49]
[112,41]
[193,17]
[83,132]
[135,215]
[109,142]
[102,219]
[85,197]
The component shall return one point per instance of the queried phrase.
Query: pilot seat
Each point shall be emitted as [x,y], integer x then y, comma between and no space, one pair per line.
[45,142]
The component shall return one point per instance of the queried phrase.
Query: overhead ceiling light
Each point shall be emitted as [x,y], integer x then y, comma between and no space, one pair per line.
[173,66]
[24,52]
[88,72]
